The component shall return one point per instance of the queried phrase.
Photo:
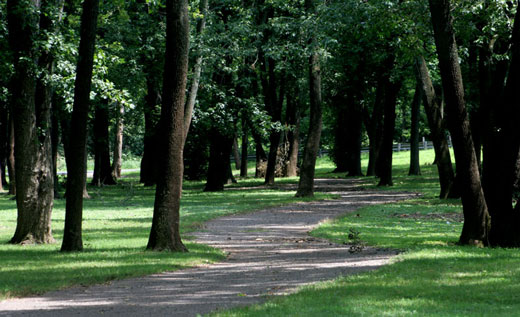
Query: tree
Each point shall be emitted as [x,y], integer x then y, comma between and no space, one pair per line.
[306,183]
[76,159]
[476,217]
[31,114]
[165,234]
[415,167]
[436,122]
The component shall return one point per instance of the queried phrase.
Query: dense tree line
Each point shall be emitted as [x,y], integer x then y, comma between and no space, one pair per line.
[179,84]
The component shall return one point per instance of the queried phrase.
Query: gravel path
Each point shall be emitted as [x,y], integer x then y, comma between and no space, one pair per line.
[270,253]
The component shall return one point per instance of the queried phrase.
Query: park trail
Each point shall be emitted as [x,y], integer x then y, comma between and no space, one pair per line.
[269,253]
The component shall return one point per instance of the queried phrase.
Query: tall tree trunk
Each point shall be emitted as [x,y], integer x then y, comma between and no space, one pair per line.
[4,137]
[236,154]
[153,99]
[55,140]
[261,156]
[437,127]
[275,110]
[31,105]
[197,68]
[374,126]
[293,136]
[500,168]
[476,217]
[386,153]
[76,167]
[165,232]
[354,121]
[218,169]
[245,145]
[10,157]
[102,169]
[310,153]
[415,167]
[118,143]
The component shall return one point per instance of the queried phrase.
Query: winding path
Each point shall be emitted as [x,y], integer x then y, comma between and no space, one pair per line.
[270,253]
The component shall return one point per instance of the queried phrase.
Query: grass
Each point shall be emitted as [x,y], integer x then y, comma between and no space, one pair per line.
[431,277]
[117,221]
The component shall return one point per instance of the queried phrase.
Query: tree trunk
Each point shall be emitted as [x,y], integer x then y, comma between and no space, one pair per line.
[102,169]
[55,140]
[261,157]
[219,164]
[245,144]
[10,157]
[374,126]
[153,99]
[500,168]
[31,108]
[118,143]
[275,110]
[310,153]
[4,137]
[386,153]
[436,123]
[476,217]
[415,167]
[197,68]
[354,121]
[165,232]
[76,167]
[236,154]
[293,136]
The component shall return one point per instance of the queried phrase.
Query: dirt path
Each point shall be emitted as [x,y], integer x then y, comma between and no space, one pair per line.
[269,253]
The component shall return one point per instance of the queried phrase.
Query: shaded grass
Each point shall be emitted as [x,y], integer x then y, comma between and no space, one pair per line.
[117,221]
[433,277]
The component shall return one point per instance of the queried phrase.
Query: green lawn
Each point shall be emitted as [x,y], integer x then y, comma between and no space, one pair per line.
[117,221]
[432,277]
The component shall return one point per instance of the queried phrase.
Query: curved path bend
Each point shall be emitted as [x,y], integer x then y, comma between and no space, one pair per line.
[269,253]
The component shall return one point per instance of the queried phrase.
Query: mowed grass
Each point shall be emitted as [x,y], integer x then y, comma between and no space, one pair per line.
[431,276]
[117,221]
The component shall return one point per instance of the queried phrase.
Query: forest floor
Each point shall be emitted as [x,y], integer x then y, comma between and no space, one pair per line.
[269,252]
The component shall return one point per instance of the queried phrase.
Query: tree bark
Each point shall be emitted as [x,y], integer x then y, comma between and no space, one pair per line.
[437,127]
[374,126]
[310,153]
[197,68]
[219,164]
[153,99]
[118,143]
[102,169]
[354,121]
[10,157]
[386,153]
[275,110]
[31,108]
[4,137]
[261,156]
[476,217]
[76,167]
[236,154]
[55,140]
[503,146]
[165,232]
[415,167]
[245,145]
[293,136]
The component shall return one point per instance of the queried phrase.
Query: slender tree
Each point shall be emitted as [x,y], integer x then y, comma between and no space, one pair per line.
[436,123]
[310,153]
[165,233]
[118,142]
[415,167]
[476,217]
[76,159]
